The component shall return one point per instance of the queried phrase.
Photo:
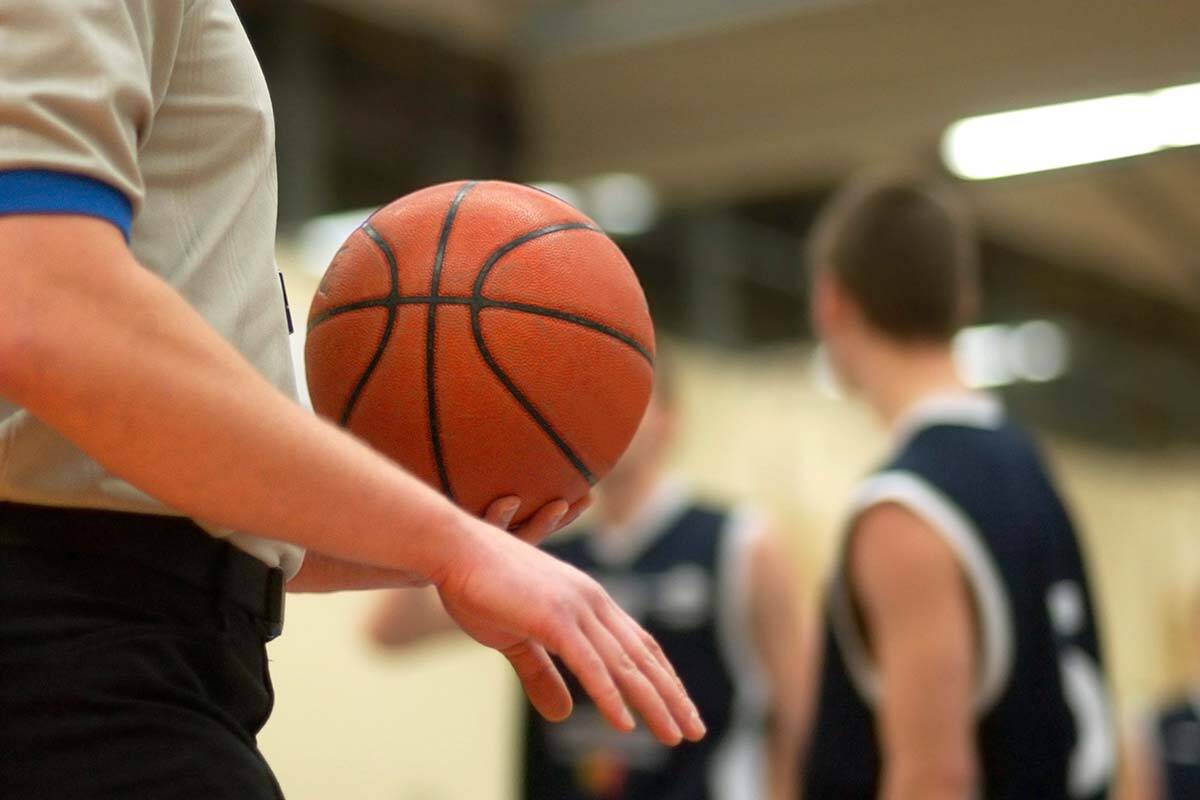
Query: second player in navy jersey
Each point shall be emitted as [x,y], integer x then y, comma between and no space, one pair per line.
[683,577]
[961,656]
[714,588]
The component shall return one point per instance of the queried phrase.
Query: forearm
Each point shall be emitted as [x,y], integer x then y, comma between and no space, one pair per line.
[140,382]
[787,736]
[407,617]
[321,573]
[783,752]
[937,781]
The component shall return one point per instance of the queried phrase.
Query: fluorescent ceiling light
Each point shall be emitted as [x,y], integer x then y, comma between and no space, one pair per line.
[1068,134]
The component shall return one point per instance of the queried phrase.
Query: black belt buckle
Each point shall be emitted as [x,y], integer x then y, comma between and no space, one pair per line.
[274,603]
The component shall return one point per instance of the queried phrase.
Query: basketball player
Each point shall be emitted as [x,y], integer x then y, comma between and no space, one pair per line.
[961,657]
[146,381]
[714,587]
[1163,757]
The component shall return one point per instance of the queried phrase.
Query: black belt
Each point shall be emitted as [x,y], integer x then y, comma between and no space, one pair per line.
[174,546]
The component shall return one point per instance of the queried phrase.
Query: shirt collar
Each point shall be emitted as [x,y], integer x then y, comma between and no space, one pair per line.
[620,545]
[968,409]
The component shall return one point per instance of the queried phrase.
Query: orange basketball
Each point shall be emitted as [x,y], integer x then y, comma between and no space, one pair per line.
[489,338]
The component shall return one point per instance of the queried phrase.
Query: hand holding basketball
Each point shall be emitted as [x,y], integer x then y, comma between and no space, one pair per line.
[489,338]
[527,604]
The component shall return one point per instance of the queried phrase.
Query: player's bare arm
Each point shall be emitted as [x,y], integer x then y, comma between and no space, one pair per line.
[407,616]
[115,360]
[918,615]
[783,643]
[1139,777]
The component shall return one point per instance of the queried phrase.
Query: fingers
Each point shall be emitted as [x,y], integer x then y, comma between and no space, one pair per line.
[501,512]
[545,522]
[549,518]
[543,684]
[631,672]
[578,507]
[649,658]
[587,665]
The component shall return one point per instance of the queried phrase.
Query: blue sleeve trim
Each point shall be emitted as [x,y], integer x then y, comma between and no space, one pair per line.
[41,191]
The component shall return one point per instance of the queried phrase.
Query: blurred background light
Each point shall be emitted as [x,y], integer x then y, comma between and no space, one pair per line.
[318,239]
[622,204]
[563,191]
[1069,134]
[981,353]
[1038,351]
[990,356]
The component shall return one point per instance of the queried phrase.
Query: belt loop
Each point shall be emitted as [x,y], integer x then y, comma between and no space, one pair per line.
[275,601]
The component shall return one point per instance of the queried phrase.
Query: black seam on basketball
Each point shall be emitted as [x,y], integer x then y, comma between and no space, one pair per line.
[506,248]
[452,300]
[394,277]
[435,433]
[530,409]
[574,319]
[478,304]
[388,302]
[330,313]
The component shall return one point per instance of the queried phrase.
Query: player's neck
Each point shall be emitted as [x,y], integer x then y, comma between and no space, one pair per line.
[621,499]
[898,377]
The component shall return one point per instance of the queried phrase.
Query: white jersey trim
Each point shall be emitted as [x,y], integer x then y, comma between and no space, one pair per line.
[996,633]
[619,547]
[739,762]
[968,409]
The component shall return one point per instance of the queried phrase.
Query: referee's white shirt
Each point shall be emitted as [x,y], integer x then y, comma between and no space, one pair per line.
[164,101]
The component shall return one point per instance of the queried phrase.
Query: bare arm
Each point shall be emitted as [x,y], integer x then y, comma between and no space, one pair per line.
[116,361]
[918,615]
[782,642]
[1140,776]
[120,364]
[407,616]
[322,573]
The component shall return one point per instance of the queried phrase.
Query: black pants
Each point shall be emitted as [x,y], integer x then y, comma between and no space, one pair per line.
[121,680]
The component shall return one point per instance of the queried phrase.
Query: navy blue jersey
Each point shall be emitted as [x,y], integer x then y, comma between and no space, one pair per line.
[1177,739]
[1044,723]
[683,583]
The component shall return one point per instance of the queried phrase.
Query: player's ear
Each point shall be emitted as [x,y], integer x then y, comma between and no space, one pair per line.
[829,303]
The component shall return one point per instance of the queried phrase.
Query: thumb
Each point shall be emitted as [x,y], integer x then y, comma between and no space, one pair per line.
[543,684]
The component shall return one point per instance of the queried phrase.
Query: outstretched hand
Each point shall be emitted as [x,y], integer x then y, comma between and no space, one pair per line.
[526,604]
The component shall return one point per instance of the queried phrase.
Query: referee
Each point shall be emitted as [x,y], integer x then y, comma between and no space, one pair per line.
[158,482]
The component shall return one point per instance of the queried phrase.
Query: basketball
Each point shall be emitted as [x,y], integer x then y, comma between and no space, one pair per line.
[488,337]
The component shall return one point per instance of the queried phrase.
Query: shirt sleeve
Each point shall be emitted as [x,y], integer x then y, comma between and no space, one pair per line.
[75,102]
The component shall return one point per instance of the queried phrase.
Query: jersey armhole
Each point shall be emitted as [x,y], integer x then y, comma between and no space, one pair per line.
[992,608]
[739,760]
[43,191]
[739,534]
